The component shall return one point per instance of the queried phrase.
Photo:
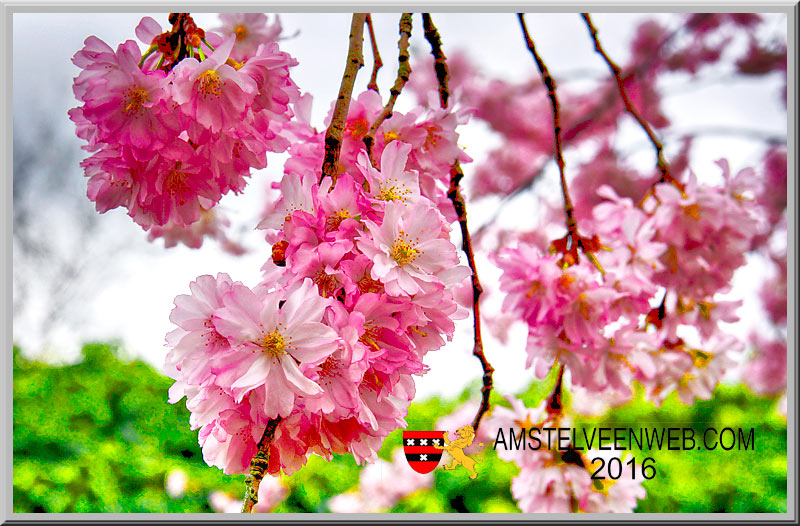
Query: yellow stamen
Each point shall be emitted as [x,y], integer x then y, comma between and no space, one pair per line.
[423,334]
[273,343]
[433,138]
[700,358]
[332,222]
[535,286]
[367,284]
[133,100]
[176,183]
[240,31]
[329,367]
[235,65]
[210,83]
[692,211]
[583,305]
[403,252]
[371,334]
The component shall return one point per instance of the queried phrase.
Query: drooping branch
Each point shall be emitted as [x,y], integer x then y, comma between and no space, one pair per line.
[333,136]
[377,63]
[439,59]
[403,74]
[454,194]
[572,241]
[259,466]
[456,174]
[572,227]
[600,110]
[616,71]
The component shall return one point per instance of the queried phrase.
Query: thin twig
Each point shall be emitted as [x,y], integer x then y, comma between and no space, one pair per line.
[333,136]
[615,70]
[376,56]
[456,174]
[259,466]
[573,133]
[572,227]
[454,194]
[403,74]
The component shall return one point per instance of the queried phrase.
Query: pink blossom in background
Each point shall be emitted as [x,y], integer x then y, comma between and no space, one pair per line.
[381,485]
[175,483]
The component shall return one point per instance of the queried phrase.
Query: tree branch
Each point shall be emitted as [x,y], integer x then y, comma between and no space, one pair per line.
[376,56]
[333,136]
[403,74]
[572,227]
[453,192]
[259,466]
[439,60]
[615,70]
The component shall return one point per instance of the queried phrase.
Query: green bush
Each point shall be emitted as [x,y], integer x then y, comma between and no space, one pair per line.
[99,436]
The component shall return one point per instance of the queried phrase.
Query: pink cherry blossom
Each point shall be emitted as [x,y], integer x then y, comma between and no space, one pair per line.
[407,248]
[251,30]
[268,340]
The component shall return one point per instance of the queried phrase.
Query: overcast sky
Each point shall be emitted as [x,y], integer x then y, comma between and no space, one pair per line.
[131,296]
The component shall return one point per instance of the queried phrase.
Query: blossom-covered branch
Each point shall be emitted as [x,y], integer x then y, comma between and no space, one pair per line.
[456,174]
[403,74]
[355,59]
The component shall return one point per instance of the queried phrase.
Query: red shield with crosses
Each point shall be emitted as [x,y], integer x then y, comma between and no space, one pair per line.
[420,449]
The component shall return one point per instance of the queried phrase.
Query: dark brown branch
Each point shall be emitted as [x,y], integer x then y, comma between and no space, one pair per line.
[572,227]
[453,192]
[615,70]
[259,466]
[600,109]
[439,59]
[403,74]
[333,136]
[376,56]
[456,174]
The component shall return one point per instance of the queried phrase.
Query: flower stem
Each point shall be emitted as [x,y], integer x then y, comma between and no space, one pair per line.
[259,466]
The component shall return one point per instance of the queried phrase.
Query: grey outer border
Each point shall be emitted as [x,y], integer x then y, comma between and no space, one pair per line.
[6,134]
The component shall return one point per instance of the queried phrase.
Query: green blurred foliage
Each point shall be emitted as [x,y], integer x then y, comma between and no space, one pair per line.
[99,436]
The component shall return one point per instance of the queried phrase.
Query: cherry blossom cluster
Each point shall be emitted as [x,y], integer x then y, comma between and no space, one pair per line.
[176,128]
[683,243]
[359,288]
[560,480]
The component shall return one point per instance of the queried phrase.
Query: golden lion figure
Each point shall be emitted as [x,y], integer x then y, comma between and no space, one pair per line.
[465,435]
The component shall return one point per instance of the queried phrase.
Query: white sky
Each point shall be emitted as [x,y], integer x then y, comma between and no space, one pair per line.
[133,304]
